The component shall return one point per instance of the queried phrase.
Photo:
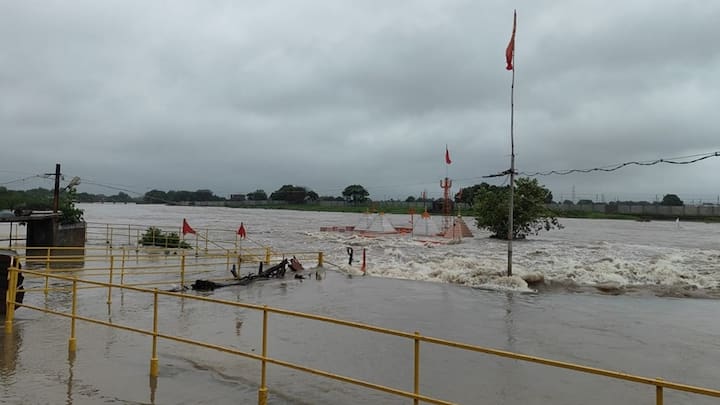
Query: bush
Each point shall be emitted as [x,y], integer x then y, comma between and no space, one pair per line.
[156,237]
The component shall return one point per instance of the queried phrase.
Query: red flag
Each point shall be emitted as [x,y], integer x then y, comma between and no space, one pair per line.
[187,228]
[447,155]
[510,51]
[241,231]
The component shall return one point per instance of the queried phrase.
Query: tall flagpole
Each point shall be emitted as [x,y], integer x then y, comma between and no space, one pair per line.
[512,173]
[510,55]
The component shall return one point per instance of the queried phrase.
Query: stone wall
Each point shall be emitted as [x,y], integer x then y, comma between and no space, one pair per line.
[649,209]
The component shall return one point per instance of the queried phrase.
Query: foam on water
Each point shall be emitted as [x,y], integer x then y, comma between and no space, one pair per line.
[481,262]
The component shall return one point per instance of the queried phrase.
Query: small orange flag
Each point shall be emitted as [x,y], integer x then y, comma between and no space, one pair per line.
[510,51]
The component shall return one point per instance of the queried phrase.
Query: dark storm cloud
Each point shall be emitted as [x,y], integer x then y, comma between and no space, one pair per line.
[235,96]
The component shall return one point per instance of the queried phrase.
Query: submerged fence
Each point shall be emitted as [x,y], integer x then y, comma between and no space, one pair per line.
[66,280]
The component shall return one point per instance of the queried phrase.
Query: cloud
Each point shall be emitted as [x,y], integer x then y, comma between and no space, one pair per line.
[238,95]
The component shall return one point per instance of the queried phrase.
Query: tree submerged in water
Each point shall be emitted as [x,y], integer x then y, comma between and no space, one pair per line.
[156,237]
[69,213]
[530,215]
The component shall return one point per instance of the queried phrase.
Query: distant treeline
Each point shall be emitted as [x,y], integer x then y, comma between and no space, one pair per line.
[41,199]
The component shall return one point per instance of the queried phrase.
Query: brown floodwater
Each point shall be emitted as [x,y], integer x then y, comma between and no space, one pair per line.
[629,328]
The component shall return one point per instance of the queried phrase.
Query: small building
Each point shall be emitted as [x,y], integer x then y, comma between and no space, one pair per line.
[44,231]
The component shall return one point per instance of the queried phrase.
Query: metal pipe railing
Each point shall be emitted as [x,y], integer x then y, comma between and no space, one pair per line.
[416,337]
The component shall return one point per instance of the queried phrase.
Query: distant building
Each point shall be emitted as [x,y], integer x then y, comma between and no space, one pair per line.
[237,197]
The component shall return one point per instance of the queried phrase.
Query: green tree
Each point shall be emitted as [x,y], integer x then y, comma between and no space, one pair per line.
[355,193]
[410,199]
[672,200]
[549,198]
[257,195]
[155,197]
[122,197]
[467,195]
[291,194]
[530,215]
[69,214]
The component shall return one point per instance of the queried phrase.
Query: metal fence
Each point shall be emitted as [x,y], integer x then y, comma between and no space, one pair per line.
[416,339]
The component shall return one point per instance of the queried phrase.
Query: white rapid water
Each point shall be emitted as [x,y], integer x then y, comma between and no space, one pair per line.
[609,255]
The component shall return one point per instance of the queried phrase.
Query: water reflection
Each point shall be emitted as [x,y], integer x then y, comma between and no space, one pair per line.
[153,388]
[510,330]
[71,365]
[238,325]
[11,343]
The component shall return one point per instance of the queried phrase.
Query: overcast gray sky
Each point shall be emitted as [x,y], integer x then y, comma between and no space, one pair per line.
[236,95]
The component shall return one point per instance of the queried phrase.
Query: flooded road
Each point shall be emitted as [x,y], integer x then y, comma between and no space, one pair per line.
[672,338]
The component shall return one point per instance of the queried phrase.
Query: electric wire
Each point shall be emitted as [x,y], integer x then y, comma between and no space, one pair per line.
[680,160]
[618,166]
[24,179]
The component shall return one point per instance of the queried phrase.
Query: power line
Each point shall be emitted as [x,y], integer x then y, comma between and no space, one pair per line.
[24,179]
[112,187]
[612,168]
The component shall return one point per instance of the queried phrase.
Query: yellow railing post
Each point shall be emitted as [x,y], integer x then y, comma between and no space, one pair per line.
[47,270]
[112,265]
[111,238]
[154,358]
[658,394]
[320,259]
[11,297]
[72,344]
[416,379]
[267,255]
[122,267]
[227,261]
[182,272]
[107,234]
[262,392]
[206,241]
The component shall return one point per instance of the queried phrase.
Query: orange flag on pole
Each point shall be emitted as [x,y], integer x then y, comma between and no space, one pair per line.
[186,228]
[510,51]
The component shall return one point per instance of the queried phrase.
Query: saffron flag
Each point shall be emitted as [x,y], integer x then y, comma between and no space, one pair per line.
[510,51]
[241,231]
[186,228]
[447,155]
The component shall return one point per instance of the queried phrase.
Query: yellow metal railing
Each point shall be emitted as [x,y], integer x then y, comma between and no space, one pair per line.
[130,235]
[265,359]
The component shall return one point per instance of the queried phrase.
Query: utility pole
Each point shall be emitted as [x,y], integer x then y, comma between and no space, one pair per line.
[56,191]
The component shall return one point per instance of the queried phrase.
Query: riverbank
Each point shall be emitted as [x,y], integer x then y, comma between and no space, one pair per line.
[394,208]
